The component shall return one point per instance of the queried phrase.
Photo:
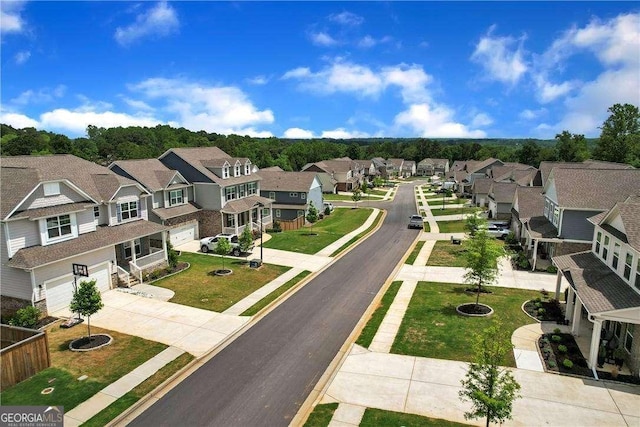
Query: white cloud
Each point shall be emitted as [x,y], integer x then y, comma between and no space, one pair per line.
[323,39]
[347,18]
[158,21]
[369,41]
[76,121]
[531,114]
[40,96]
[297,133]
[500,59]
[137,104]
[18,121]
[10,19]
[258,80]
[22,57]
[548,92]
[342,133]
[221,109]
[297,73]
[481,120]
[436,122]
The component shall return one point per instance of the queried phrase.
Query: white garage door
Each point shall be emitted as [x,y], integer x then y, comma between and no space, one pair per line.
[60,290]
[184,234]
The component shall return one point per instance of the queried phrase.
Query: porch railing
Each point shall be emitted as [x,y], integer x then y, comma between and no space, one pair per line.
[150,260]
[135,271]
[123,274]
[255,225]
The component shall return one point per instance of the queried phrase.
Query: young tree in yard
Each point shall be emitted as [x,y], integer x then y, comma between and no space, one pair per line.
[86,301]
[490,388]
[172,255]
[223,247]
[481,256]
[377,182]
[312,214]
[245,240]
[356,196]
[473,224]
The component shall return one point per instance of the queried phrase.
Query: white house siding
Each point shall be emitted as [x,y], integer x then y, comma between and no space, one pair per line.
[85,220]
[22,234]
[64,267]
[551,193]
[616,222]
[15,283]
[38,199]
[315,194]
[208,196]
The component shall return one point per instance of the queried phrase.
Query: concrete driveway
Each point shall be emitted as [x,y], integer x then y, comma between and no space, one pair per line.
[191,329]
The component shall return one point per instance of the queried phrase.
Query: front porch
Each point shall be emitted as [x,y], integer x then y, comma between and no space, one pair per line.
[138,256]
[253,212]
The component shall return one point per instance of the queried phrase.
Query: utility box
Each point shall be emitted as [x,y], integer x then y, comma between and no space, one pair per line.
[255,263]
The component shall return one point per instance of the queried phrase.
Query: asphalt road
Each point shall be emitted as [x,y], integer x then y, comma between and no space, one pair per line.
[263,377]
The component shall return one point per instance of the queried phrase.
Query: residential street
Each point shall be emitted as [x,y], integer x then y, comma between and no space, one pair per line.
[264,376]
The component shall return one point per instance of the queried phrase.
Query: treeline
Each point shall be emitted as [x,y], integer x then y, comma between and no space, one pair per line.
[105,145]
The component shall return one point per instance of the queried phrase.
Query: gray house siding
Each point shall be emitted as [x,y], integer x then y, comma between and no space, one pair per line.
[86,222]
[22,234]
[287,214]
[15,283]
[575,225]
[38,200]
[208,196]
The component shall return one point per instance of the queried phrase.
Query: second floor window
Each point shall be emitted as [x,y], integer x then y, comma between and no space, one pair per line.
[598,240]
[242,190]
[96,212]
[638,275]
[230,193]
[225,172]
[128,210]
[175,197]
[303,196]
[293,195]
[616,256]
[605,248]
[272,195]
[251,188]
[628,260]
[59,226]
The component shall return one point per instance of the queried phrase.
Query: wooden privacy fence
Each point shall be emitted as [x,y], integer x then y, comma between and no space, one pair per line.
[25,352]
[292,224]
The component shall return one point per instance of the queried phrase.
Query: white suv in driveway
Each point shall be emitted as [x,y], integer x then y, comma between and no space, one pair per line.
[496,231]
[208,244]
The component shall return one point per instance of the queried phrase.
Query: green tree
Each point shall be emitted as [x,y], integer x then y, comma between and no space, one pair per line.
[481,256]
[377,182]
[356,196]
[245,241]
[312,214]
[490,388]
[26,317]
[620,136]
[223,247]
[86,301]
[529,154]
[473,223]
[571,147]
[172,255]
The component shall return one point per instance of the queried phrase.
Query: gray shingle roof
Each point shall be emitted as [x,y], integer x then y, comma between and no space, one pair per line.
[37,256]
[482,185]
[151,173]
[502,192]
[175,211]
[244,204]
[476,166]
[539,227]
[33,214]
[630,215]
[599,288]
[286,181]
[546,167]
[201,158]
[597,189]
[530,202]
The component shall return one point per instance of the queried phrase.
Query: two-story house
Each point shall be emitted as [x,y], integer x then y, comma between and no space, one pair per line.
[172,196]
[480,191]
[61,210]
[430,167]
[500,199]
[347,173]
[528,202]
[292,193]
[227,189]
[571,197]
[394,167]
[605,282]
[408,169]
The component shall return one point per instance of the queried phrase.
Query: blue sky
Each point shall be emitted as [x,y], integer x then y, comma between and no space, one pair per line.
[320,69]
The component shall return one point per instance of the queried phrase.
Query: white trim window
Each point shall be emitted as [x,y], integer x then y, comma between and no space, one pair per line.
[59,227]
[616,256]
[247,168]
[176,197]
[127,248]
[598,240]
[278,213]
[236,170]
[96,212]
[225,172]
[128,211]
[303,196]
[272,195]
[626,272]
[628,339]
[242,191]
[51,188]
[556,216]
[605,248]
[229,220]
[293,195]
[230,193]
[638,275]
[251,188]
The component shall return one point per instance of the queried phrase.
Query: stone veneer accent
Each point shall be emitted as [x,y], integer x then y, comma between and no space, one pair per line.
[210,223]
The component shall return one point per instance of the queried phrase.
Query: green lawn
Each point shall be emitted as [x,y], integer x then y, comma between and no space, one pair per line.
[321,415]
[198,287]
[432,327]
[327,230]
[275,294]
[359,236]
[427,227]
[452,226]
[378,192]
[434,203]
[453,211]
[414,253]
[337,197]
[379,417]
[446,254]
[103,366]
[369,331]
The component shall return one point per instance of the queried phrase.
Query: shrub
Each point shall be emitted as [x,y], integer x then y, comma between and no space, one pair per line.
[537,300]
[545,293]
[556,338]
[552,269]
[511,239]
[327,211]
[552,364]
[557,331]
[537,304]
[522,262]
[562,348]
[172,255]
[277,227]
[541,311]
[26,317]
[567,363]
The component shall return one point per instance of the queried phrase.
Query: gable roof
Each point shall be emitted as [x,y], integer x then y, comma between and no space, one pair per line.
[503,192]
[334,165]
[482,185]
[546,167]
[22,174]
[597,189]
[286,181]
[203,158]
[530,202]
[629,212]
[476,166]
[151,173]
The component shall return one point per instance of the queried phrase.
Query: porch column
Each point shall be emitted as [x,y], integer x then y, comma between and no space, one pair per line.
[577,316]
[164,246]
[535,255]
[568,312]
[595,343]
[558,284]
[133,250]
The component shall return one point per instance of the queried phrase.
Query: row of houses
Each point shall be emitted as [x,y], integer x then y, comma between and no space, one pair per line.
[583,218]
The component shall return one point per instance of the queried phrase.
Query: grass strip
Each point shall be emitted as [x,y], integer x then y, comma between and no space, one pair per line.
[446,254]
[453,211]
[321,415]
[369,331]
[273,295]
[452,226]
[354,239]
[379,417]
[414,253]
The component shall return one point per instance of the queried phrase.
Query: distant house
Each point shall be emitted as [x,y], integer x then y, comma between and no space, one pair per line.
[394,167]
[347,173]
[291,192]
[408,169]
[501,199]
[571,197]
[430,167]
[605,282]
[528,202]
[226,188]
[61,210]
[172,196]
[480,191]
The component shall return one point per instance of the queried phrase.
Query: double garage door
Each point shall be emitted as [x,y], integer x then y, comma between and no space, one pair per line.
[60,289]
[184,234]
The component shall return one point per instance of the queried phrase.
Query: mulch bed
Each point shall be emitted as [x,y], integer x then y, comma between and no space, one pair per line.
[86,343]
[552,310]
[45,321]
[630,379]
[554,358]
[159,274]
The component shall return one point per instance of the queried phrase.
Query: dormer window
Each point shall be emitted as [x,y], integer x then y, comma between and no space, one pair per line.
[247,168]
[225,172]
[236,170]
[627,268]
[51,188]
[176,197]
[59,226]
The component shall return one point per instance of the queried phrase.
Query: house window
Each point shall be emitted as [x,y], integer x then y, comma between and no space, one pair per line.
[628,260]
[303,196]
[229,220]
[59,226]
[51,188]
[605,248]
[127,248]
[628,339]
[265,212]
[225,172]
[247,169]
[598,240]
[96,211]
[300,213]
[230,193]
[617,329]
[546,208]
[638,275]
[175,197]
[616,256]
[272,195]
[293,195]
[236,170]
[277,213]
[242,190]
[556,216]
[128,210]
[251,188]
